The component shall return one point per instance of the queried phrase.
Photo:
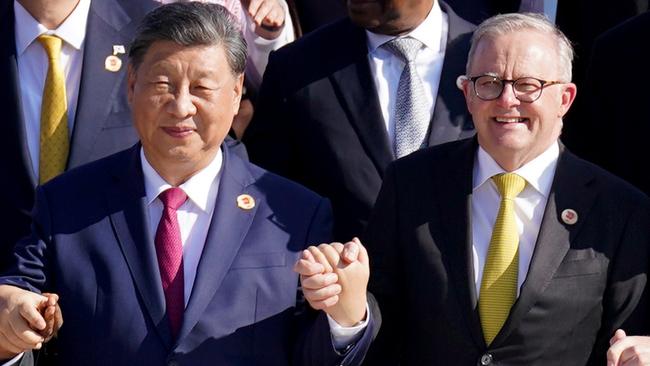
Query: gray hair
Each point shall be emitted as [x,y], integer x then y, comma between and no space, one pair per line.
[508,23]
[191,24]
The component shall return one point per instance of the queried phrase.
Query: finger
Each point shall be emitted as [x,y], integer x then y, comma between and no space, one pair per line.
[363,253]
[323,305]
[322,293]
[333,257]
[350,252]
[618,335]
[22,336]
[320,257]
[32,316]
[318,281]
[275,17]
[307,268]
[338,247]
[52,299]
[262,12]
[616,350]
[253,7]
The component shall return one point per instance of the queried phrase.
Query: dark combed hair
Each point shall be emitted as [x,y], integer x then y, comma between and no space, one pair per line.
[191,24]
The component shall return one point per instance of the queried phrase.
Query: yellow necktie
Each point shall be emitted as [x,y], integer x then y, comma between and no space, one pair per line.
[54,139]
[499,283]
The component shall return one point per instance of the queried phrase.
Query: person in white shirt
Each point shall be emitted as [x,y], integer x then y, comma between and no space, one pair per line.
[177,251]
[507,249]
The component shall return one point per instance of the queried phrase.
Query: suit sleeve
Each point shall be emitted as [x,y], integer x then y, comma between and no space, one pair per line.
[625,302]
[314,346]
[28,268]
[382,241]
[269,137]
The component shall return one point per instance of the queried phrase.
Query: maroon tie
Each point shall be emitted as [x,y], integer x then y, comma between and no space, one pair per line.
[169,250]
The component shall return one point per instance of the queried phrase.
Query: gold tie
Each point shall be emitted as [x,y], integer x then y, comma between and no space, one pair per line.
[499,283]
[54,139]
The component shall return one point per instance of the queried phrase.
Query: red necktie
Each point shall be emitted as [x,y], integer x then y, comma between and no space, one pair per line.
[169,250]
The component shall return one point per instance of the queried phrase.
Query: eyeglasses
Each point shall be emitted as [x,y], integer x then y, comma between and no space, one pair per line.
[526,89]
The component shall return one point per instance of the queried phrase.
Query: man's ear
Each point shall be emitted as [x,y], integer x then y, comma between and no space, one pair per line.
[569,91]
[130,82]
[238,91]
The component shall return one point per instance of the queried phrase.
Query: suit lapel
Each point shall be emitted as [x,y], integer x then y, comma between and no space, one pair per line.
[99,88]
[353,84]
[570,190]
[14,148]
[450,120]
[228,228]
[127,201]
[454,209]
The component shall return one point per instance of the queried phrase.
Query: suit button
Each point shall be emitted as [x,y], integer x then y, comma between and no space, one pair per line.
[486,359]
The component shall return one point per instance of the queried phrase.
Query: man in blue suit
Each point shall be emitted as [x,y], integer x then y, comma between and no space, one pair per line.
[98,114]
[176,251]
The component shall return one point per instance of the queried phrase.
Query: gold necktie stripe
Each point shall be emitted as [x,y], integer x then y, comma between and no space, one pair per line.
[54,137]
[499,283]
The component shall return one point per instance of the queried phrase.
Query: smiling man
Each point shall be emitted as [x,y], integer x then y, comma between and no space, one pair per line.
[507,249]
[176,251]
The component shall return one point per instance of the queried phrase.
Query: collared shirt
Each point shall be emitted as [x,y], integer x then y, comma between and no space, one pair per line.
[386,68]
[529,207]
[33,65]
[194,216]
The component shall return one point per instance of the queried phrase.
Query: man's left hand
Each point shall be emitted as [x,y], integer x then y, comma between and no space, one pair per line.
[628,350]
[268,16]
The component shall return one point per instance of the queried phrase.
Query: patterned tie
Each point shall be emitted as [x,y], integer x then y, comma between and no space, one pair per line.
[411,112]
[54,138]
[499,284]
[169,250]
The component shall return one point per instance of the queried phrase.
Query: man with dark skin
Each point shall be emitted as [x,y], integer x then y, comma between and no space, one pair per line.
[327,110]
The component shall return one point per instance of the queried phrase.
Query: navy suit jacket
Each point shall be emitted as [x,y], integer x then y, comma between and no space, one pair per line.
[318,119]
[90,244]
[102,124]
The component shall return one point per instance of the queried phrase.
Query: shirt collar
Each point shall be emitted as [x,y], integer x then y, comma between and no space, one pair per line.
[199,188]
[538,172]
[72,30]
[429,32]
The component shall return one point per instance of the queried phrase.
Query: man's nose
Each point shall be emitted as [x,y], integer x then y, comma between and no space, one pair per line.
[182,106]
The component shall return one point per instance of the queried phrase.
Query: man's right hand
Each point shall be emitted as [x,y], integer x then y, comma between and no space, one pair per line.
[22,321]
[628,350]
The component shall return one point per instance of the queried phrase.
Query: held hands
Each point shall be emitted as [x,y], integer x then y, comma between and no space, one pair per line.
[27,320]
[268,16]
[334,279]
[628,350]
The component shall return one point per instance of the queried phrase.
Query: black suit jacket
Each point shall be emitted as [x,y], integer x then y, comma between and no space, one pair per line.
[102,124]
[318,119]
[615,132]
[585,280]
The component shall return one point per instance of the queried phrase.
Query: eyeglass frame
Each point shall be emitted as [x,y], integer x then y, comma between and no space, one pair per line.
[544,83]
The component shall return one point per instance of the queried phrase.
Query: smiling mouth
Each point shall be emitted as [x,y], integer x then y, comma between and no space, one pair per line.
[510,119]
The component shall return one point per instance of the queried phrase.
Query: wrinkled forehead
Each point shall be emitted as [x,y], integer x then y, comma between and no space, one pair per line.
[516,54]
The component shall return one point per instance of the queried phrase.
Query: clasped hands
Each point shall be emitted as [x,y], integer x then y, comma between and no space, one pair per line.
[27,320]
[334,278]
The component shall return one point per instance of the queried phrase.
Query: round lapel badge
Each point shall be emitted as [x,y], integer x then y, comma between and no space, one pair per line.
[113,63]
[569,216]
[245,201]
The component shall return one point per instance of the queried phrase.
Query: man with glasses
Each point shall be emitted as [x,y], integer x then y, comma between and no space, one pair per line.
[507,249]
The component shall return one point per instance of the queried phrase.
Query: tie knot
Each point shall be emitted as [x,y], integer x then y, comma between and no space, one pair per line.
[51,44]
[173,198]
[405,48]
[509,185]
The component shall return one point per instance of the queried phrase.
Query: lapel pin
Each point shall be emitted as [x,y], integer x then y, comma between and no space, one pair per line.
[118,49]
[112,63]
[245,202]
[569,216]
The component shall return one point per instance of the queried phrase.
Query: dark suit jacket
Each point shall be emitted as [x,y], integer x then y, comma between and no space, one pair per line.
[102,124]
[318,119]
[615,135]
[90,244]
[585,280]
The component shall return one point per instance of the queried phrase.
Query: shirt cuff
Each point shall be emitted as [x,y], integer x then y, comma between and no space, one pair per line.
[14,361]
[344,337]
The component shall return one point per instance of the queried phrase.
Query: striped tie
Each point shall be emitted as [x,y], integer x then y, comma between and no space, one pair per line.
[499,283]
[54,138]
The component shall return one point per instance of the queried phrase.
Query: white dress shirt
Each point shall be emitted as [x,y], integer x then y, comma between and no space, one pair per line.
[194,217]
[386,68]
[529,207]
[33,65]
